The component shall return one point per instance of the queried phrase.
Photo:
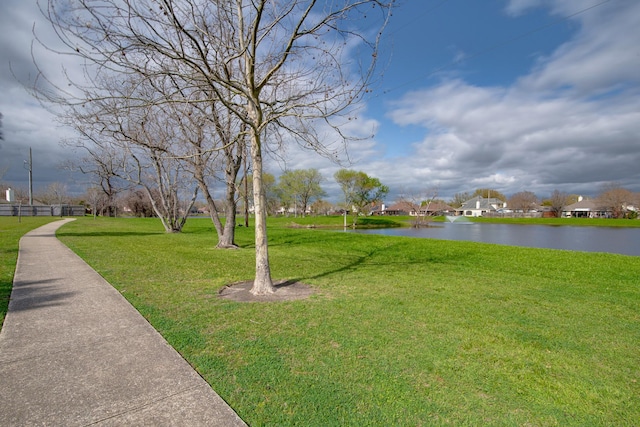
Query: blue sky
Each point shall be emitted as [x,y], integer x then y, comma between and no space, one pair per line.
[515,95]
[439,40]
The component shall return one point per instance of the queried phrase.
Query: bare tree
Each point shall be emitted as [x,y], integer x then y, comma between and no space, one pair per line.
[524,201]
[129,77]
[98,201]
[101,165]
[138,204]
[615,199]
[56,193]
[419,203]
[321,207]
[214,142]
[135,142]
[284,68]
[557,202]
[294,72]
[21,195]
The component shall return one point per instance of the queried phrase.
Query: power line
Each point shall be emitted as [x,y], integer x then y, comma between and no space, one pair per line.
[495,46]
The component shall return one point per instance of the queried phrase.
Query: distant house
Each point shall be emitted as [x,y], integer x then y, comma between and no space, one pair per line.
[479,206]
[436,208]
[406,208]
[584,208]
[399,208]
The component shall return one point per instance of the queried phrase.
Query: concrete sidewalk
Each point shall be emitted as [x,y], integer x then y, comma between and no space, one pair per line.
[74,352]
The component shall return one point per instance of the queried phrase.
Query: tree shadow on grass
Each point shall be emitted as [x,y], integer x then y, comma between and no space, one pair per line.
[296,289]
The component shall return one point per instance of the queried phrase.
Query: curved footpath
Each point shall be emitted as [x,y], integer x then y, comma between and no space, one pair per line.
[74,352]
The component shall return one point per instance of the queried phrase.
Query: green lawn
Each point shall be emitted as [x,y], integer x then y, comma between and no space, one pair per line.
[401,331]
[11,229]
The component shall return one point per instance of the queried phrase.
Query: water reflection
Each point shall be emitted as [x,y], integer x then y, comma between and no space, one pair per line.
[590,239]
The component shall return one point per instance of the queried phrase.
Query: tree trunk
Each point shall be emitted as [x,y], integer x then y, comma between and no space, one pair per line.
[227,239]
[246,194]
[262,285]
[213,211]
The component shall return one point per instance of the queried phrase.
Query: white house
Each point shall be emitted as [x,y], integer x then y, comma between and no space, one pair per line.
[479,206]
[584,208]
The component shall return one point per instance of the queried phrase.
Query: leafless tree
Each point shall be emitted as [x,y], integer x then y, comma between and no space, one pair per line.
[291,60]
[321,207]
[99,201]
[557,202]
[284,68]
[101,164]
[138,204]
[21,195]
[419,203]
[615,199]
[56,193]
[132,143]
[524,201]
[163,178]
[214,144]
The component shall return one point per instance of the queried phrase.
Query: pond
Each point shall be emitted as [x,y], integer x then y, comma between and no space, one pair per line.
[620,240]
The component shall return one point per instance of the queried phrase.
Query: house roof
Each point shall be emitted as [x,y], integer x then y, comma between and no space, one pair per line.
[485,204]
[438,207]
[582,205]
[400,206]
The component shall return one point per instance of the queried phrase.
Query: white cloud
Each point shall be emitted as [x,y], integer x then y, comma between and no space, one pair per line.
[518,7]
[603,56]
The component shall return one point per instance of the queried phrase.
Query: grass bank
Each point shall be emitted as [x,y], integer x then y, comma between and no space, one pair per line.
[10,233]
[401,331]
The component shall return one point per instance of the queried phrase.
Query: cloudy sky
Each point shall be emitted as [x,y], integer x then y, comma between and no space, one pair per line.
[520,95]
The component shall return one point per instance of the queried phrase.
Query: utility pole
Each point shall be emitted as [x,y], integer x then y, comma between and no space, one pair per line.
[30,169]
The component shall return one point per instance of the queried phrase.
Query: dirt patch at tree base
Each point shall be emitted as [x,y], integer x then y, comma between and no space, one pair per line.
[286,290]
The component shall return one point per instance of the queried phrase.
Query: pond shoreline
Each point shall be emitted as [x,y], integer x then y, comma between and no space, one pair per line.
[618,240]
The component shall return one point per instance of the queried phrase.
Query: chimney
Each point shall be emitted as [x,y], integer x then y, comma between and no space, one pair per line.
[478,204]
